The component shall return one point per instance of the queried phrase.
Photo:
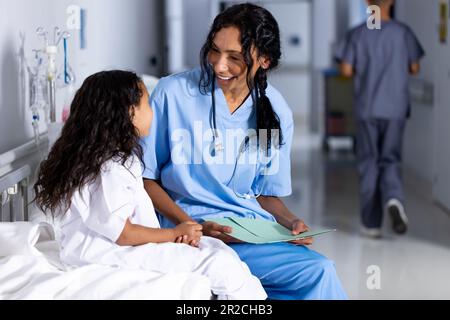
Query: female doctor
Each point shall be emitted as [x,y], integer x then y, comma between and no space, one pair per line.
[194,171]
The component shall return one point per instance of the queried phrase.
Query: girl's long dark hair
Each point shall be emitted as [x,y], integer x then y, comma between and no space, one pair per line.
[98,129]
[257,28]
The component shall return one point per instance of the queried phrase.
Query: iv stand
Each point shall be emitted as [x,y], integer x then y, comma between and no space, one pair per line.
[52,51]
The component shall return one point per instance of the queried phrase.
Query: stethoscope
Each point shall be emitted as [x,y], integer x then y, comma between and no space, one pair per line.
[216,147]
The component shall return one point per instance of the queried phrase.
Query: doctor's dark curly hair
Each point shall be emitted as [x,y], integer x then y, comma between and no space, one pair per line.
[98,129]
[258,29]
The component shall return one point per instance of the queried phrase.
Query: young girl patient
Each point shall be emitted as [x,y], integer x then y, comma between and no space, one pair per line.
[92,178]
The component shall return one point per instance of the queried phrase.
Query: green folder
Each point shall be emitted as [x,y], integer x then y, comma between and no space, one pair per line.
[263,231]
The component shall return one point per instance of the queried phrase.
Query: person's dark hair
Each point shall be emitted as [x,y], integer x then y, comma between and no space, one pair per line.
[98,129]
[257,28]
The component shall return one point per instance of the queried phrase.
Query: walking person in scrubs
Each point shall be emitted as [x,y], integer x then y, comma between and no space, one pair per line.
[92,178]
[192,179]
[381,62]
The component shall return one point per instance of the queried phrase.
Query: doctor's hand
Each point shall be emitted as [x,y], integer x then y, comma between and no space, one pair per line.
[218,231]
[188,232]
[298,227]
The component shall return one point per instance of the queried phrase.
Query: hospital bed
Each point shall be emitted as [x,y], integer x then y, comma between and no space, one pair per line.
[30,267]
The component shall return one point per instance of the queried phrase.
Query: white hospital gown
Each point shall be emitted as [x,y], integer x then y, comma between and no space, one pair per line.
[97,216]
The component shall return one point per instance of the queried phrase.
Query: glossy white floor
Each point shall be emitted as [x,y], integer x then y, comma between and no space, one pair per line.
[414,266]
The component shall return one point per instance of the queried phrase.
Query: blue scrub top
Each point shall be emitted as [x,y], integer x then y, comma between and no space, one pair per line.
[382,60]
[175,152]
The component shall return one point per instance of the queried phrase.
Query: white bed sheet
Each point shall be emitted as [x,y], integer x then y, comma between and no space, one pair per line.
[39,274]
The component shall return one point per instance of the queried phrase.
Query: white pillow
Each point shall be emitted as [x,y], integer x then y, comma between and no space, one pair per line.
[20,238]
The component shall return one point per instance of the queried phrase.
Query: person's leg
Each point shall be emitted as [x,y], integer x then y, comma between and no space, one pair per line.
[290,272]
[367,142]
[390,160]
[391,183]
[229,277]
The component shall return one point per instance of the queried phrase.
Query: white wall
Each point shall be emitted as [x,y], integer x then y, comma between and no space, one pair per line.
[120,34]
[418,149]
[197,21]
[420,127]
[427,143]
[323,32]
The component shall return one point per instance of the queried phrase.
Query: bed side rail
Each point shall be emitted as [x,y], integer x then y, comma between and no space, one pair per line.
[14,195]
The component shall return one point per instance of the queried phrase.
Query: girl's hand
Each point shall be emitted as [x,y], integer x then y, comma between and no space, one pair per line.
[184,239]
[298,227]
[188,232]
[218,231]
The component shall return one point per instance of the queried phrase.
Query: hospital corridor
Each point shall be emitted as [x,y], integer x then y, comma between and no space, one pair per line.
[411,266]
[224,150]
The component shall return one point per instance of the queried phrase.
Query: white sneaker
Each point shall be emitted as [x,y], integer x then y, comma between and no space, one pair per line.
[398,216]
[373,233]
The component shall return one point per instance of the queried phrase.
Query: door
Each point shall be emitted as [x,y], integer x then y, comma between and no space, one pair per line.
[294,21]
[293,77]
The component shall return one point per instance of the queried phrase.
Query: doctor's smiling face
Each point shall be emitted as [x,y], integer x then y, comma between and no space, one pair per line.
[142,113]
[242,46]
[228,62]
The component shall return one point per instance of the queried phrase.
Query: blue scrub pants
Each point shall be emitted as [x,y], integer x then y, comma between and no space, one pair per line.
[379,147]
[290,272]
